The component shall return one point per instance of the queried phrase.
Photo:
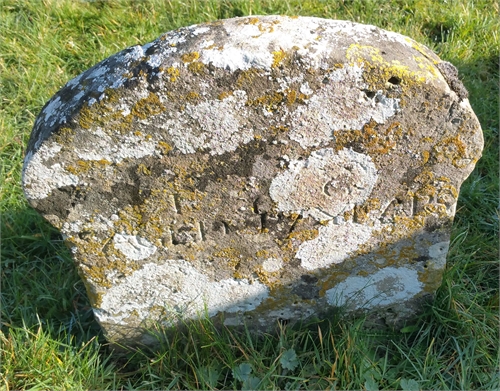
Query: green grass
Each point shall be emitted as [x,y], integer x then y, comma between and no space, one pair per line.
[49,339]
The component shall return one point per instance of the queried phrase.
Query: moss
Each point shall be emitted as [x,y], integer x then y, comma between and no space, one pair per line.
[335,277]
[95,298]
[103,114]
[430,279]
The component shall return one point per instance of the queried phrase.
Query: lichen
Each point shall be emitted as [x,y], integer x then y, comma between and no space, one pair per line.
[278,57]
[173,73]
[382,75]
[174,190]
[451,149]
[83,166]
[196,67]
[147,107]
[373,138]
[190,57]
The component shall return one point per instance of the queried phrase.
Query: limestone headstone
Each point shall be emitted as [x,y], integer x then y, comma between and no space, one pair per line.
[256,169]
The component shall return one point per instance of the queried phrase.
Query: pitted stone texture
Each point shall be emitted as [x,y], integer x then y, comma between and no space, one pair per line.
[256,169]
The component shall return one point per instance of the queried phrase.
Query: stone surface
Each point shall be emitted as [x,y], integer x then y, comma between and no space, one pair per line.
[256,169]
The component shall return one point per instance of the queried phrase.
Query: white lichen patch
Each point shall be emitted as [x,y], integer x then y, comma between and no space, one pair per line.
[134,247]
[180,290]
[39,179]
[103,147]
[385,287]
[272,265]
[341,105]
[437,255]
[214,125]
[325,184]
[333,244]
[313,38]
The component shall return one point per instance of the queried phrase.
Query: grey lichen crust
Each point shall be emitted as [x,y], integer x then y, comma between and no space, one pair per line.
[257,168]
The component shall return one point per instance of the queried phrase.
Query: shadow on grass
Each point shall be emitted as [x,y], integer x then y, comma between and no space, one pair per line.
[40,283]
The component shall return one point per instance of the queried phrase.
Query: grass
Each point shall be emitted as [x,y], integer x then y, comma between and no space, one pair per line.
[49,338]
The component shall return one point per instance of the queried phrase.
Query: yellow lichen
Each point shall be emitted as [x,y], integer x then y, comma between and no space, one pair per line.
[425,156]
[231,255]
[83,166]
[451,149]
[378,72]
[246,77]
[424,177]
[142,169]
[64,135]
[190,57]
[192,96]
[270,102]
[271,279]
[165,147]
[373,139]
[223,95]
[147,107]
[304,235]
[196,67]
[278,57]
[174,73]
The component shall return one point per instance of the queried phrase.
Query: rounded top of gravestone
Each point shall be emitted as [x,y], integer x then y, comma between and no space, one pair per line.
[255,161]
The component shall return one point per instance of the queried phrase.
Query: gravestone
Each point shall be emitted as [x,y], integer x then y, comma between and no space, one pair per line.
[256,169]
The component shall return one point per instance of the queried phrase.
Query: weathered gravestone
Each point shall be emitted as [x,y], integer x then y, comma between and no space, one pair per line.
[256,169]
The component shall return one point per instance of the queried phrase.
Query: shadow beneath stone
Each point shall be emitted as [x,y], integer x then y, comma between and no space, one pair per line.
[40,283]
